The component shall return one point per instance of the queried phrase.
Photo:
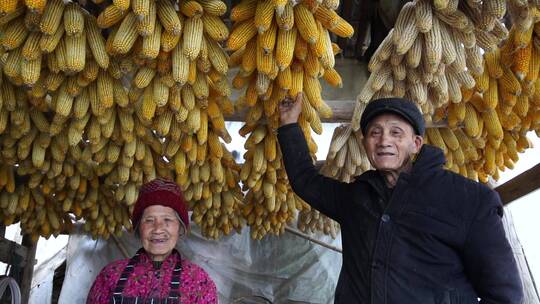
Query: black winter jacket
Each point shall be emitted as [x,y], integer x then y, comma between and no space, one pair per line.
[439,238]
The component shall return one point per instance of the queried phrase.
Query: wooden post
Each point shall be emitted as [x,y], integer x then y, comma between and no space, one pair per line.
[28,270]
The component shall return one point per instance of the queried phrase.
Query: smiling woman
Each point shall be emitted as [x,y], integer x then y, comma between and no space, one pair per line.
[157,273]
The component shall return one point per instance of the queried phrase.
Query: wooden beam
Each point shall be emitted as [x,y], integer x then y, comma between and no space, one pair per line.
[520,185]
[12,253]
[342,109]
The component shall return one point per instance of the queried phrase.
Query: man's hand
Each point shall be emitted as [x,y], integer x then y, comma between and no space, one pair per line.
[289,110]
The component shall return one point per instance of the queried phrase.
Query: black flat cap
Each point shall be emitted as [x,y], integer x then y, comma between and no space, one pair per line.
[400,106]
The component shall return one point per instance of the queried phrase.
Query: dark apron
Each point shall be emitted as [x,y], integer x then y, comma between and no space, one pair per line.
[174,293]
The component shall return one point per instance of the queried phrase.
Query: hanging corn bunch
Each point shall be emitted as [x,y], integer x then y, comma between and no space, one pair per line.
[281,48]
[105,113]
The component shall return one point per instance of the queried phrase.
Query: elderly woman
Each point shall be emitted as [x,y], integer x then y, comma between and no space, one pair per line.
[157,273]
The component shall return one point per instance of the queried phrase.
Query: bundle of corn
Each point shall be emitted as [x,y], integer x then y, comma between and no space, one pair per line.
[497,114]
[312,221]
[180,71]
[282,49]
[346,156]
[433,50]
[140,104]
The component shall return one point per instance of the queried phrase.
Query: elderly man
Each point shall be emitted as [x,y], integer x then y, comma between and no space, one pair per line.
[412,232]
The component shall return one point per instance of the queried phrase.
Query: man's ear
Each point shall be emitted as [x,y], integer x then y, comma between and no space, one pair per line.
[418,142]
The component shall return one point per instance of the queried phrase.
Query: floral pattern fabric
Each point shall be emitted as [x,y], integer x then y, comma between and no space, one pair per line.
[196,287]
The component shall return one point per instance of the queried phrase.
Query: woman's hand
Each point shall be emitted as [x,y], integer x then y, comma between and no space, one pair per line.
[289,110]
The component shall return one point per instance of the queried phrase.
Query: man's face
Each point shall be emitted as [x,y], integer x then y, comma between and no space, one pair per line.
[159,230]
[390,141]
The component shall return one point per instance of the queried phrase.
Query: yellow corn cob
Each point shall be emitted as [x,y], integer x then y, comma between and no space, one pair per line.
[482,81]
[180,64]
[143,77]
[30,70]
[405,31]
[333,78]
[285,21]
[486,40]
[12,66]
[522,106]
[264,14]
[191,9]
[267,40]
[491,96]
[509,81]
[217,56]
[423,16]
[414,54]
[73,19]
[33,5]
[126,35]
[31,49]
[436,139]
[14,35]
[105,89]
[285,47]
[342,29]
[140,8]
[327,17]
[145,26]
[161,92]
[522,58]
[241,34]
[305,23]
[214,7]
[300,48]
[64,102]
[449,138]
[214,27]
[75,53]
[471,121]
[168,41]
[110,16]
[122,5]
[168,17]
[96,42]
[534,65]
[492,123]
[433,46]
[150,45]
[148,104]
[244,10]
[522,38]
[52,16]
[493,64]
[249,59]
[448,49]
[193,33]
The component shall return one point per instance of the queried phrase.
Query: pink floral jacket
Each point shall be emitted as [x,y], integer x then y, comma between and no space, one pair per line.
[146,282]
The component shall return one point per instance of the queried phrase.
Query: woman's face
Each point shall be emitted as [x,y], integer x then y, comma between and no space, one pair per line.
[159,229]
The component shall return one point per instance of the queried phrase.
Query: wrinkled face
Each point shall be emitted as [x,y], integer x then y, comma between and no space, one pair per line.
[159,229]
[390,142]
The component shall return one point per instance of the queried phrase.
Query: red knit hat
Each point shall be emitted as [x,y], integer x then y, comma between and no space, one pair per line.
[160,192]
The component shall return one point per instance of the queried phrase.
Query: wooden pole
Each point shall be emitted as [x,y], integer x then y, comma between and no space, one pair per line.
[520,185]
[120,246]
[28,270]
[313,240]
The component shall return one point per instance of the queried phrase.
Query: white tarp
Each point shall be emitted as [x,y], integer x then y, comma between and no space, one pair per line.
[285,269]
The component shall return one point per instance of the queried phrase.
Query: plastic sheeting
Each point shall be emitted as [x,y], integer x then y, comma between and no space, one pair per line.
[284,269]
[42,280]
